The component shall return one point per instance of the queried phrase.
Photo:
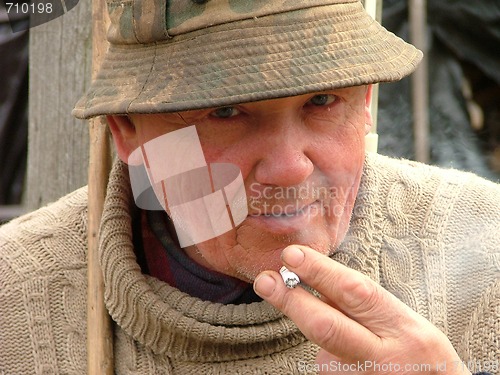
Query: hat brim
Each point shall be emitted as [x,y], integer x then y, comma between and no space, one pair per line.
[286,54]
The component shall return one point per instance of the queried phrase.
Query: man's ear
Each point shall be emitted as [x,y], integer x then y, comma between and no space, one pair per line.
[368,114]
[124,135]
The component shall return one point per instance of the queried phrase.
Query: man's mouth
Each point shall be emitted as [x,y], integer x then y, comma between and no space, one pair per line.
[285,219]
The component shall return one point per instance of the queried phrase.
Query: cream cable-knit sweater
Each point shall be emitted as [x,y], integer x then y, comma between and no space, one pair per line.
[429,236]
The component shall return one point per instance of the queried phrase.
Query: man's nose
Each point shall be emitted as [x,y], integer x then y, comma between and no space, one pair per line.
[285,160]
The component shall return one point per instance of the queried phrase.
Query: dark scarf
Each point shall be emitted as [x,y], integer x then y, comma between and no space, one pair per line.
[159,256]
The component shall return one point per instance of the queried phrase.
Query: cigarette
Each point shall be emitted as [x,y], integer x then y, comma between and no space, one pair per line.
[289,278]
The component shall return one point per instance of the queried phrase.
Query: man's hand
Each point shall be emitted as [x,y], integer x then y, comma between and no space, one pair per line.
[356,322]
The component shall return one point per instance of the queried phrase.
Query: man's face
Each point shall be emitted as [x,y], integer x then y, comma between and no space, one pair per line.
[301,160]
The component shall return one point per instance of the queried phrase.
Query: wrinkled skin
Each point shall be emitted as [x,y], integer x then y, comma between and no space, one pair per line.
[314,145]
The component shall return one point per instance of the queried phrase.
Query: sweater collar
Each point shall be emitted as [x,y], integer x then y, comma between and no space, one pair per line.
[360,249]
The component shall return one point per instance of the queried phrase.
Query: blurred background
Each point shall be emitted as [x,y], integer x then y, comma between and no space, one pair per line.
[13,110]
[462,47]
[448,114]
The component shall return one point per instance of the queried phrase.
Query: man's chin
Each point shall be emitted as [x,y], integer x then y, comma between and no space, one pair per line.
[254,247]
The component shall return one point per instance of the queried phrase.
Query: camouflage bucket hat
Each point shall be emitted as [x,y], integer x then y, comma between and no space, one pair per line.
[175,55]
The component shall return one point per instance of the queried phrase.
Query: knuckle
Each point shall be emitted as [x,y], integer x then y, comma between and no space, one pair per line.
[326,331]
[287,302]
[361,295]
[319,274]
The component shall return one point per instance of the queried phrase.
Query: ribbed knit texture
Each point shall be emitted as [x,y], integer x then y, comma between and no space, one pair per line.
[429,236]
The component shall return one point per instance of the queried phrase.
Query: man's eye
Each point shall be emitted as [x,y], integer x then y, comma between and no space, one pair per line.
[225,112]
[322,100]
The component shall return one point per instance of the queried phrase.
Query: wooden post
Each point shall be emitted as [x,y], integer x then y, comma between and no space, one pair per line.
[100,359]
[420,81]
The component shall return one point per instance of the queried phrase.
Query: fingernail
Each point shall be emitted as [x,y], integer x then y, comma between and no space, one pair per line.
[264,285]
[292,256]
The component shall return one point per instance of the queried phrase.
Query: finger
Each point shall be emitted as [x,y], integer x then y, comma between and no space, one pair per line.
[319,322]
[353,293]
